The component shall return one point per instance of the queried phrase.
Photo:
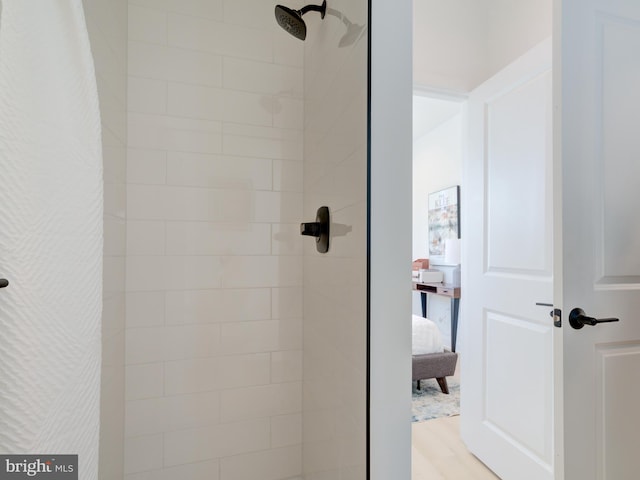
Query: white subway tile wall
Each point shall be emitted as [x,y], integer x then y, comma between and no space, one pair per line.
[335,285]
[142,453]
[192,471]
[145,381]
[107,25]
[214,259]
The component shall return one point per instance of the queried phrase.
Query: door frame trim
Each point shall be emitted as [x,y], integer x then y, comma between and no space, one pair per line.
[389,244]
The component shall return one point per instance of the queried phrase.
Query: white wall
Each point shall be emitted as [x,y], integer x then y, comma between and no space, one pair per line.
[107,25]
[214,266]
[437,164]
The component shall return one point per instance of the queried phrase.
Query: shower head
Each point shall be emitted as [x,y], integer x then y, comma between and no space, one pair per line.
[291,20]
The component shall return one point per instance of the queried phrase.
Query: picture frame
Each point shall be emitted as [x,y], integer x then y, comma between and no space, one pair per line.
[444,221]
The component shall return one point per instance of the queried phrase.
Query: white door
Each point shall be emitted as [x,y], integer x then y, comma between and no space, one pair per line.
[600,106]
[507,344]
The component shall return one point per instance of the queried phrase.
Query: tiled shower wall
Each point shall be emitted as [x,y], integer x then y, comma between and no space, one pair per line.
[214,259]
[107,26]
[335,284]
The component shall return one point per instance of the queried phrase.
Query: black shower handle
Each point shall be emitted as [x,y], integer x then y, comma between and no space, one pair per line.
[319,229]
[312,229]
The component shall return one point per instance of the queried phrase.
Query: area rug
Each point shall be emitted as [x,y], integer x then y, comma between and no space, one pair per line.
[430,402]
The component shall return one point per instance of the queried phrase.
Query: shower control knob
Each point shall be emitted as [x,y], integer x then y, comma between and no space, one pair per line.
[4,282]
[319,229]
[312,229]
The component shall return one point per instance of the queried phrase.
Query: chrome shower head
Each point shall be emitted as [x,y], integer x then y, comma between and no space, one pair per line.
[291,20]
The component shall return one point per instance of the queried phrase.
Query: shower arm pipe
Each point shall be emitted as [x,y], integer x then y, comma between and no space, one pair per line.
[313,8]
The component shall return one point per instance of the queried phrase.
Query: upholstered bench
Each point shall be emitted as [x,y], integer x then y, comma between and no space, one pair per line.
[435,365]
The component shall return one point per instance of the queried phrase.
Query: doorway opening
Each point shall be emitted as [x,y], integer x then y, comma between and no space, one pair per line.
[437,178]
[437,167]
[458,47]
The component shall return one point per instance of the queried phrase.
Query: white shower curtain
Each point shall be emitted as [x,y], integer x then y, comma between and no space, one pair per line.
[51,205]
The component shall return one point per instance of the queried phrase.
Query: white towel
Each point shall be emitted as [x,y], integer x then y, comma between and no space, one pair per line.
[51,205]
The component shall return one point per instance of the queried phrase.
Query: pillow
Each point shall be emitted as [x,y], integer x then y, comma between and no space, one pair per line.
[426,337]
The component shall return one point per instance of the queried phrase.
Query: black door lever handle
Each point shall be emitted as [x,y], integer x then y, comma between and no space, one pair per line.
[578,319]
[4,282]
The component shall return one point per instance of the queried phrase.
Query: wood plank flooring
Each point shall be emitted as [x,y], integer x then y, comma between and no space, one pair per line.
[438,453]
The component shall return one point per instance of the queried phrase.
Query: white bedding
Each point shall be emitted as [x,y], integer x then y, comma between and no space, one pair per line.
[426,336]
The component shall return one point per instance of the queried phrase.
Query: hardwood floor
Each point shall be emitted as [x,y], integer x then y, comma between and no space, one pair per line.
[437,453]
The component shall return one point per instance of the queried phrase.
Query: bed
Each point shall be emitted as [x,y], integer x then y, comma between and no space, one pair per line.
[430,358]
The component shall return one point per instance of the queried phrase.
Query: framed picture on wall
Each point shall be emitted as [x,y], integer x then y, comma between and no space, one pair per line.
[444,221]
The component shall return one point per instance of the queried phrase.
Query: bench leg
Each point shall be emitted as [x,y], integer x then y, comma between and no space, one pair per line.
[442,381]
[418,384]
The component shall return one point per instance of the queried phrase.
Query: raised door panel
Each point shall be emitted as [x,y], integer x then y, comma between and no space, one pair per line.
[619,149]
[517,176]
[517,400]
[616,425]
